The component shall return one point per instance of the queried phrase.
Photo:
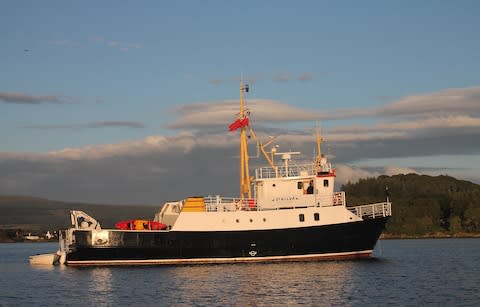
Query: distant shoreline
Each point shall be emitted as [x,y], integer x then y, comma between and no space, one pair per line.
[430,236]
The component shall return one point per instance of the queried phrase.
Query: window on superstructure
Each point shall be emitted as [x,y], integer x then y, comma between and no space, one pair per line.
[316,216]
[299,185]
[301,217]
[325,182]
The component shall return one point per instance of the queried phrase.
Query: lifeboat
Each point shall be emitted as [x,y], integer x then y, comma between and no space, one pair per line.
[140,225]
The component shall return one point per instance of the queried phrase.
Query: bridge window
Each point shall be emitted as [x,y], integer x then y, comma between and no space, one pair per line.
[325,182]
[316,216]
[301,217]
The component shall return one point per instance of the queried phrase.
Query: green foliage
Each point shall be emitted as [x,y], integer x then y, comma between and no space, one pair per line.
[421,204]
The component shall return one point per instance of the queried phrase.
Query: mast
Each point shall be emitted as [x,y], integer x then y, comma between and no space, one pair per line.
[319,141]
[245,190]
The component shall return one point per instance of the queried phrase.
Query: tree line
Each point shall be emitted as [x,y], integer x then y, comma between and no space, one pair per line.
[422,205]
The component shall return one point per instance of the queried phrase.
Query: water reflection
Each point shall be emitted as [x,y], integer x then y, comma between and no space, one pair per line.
[262,284]
[99,286]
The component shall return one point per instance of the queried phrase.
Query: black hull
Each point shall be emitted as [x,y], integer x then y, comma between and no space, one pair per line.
[348,240]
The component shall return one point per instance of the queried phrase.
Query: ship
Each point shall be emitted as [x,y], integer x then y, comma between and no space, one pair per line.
[285,211]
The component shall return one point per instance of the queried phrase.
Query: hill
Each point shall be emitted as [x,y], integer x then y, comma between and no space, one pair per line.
[37,215]
[423,205]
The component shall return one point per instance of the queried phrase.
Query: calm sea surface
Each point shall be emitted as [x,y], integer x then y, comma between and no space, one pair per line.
[402,273]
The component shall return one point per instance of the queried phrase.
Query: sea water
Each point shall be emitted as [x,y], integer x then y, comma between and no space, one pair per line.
[402,273]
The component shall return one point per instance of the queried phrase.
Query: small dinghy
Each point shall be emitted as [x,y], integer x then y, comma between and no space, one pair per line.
[45,259]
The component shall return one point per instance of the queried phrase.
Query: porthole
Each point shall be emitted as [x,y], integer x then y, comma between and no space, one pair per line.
[251,220]
[301,217]
[237,220]
[274,185]
[316,216]
[264,219]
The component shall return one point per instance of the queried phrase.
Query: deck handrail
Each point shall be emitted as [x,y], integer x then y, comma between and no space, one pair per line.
[218,203]
[372,211]
[291,171]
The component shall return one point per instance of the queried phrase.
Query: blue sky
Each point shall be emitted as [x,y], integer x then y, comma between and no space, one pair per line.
[94,83]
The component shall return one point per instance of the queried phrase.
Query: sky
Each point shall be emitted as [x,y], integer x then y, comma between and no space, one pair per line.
[128,102]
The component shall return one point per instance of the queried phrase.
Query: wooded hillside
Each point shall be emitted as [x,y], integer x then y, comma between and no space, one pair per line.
[422,205]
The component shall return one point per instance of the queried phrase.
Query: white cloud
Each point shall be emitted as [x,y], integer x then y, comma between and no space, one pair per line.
[182,142]
[346,174]
[391,170]
[214,114]
[445,103]
[350,174]
[124,46]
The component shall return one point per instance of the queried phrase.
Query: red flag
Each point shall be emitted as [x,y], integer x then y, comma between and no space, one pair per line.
[244,122]
[239,123]
[235,125]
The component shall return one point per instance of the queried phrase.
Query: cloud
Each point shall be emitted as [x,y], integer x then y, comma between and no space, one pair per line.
[59,42]
[124,46]
[276,77]
[22,98]
[391,170]
[152,170]
[449,102]
[182,142]
[129,124]
[449,108]
[305,77]
[65,43]
[202,159]
[100,124]
[159,168]
[220,114]
[282,77]
[395,135]
[215,81]
[349,174]
[251,79]
[287,77]
[443,103]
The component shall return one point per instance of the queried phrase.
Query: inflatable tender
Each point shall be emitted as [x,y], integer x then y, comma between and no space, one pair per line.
[140,225]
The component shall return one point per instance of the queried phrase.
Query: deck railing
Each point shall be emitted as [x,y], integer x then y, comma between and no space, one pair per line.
[290,171]
[218,203]
[373,210]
